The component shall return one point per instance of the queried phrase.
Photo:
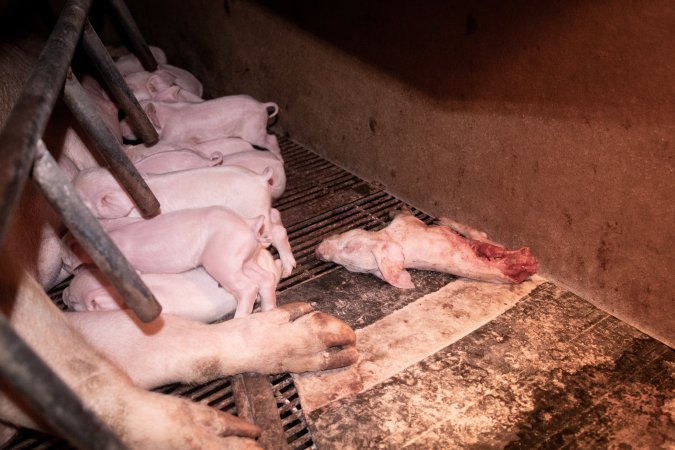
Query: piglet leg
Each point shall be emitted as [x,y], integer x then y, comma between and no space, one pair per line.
[279,238]
[266,282]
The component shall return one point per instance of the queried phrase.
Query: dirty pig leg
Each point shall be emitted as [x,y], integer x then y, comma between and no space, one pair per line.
[103,388]
[171,349]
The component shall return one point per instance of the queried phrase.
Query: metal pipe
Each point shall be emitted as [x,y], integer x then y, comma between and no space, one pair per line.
[253,396]
[61,194]
[28,119]
[136,39]
[118,87]
[85,111]
[44,391]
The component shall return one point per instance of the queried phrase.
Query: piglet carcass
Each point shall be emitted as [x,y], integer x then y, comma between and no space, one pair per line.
[408,243]
[237,188]
[216,238]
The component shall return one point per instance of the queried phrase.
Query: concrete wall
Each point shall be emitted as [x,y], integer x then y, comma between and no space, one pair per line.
[548,124]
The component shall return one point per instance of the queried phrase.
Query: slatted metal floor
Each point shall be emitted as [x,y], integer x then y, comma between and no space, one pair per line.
[552,371]
[320,199]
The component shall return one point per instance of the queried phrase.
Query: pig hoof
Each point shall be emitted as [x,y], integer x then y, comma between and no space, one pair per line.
[295,338]
[181,424]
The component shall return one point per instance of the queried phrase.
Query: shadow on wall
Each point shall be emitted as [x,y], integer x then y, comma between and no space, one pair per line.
[571,55]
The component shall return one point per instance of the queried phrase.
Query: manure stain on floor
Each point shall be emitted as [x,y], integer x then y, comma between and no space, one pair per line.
[551,372]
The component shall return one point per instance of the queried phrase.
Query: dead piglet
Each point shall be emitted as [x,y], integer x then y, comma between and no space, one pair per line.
[231,116]
[216,238]
[407,242]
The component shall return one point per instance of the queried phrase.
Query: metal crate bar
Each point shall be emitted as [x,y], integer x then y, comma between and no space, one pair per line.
[112,77]
[22,152]
[80,104]
[88,232]
[136,40]
[28,119]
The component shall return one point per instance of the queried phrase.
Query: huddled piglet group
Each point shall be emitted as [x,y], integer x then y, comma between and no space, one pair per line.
[215,172]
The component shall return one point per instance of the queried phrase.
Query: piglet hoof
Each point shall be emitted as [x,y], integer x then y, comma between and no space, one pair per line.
[295,338]
[287,266]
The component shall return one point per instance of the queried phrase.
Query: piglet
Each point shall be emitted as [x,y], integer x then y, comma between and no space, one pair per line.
[164,86]
[407,242]
[258,161]
[224,146]
[173,160]
[128,63]
[231,116]
[216,238]
[232,145]
[237,188]
[194,294]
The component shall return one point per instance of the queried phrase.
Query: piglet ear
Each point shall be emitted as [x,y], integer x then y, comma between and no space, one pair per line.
[390,259]
[268,173]
[155,84]
[151,112]
[113,204]
[170,95]
[259,230]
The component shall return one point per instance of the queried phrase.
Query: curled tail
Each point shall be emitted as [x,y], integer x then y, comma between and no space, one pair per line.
[272,109]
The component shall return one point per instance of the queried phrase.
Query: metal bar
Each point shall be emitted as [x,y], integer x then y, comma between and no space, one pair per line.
[62,196]
[118,87]
[137,41]
[253,395]
[78,101]
[44,391]
[28,119]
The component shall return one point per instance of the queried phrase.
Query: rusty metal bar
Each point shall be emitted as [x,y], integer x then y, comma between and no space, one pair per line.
[138,45]
[118,87]
[62,196]
[254,397]
[28,119]
[43,390]
[78,101]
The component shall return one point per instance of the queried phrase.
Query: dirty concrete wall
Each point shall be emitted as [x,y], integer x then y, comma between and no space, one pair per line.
[548,124]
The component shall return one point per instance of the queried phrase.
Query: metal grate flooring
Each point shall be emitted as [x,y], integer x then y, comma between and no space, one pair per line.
[320,199]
